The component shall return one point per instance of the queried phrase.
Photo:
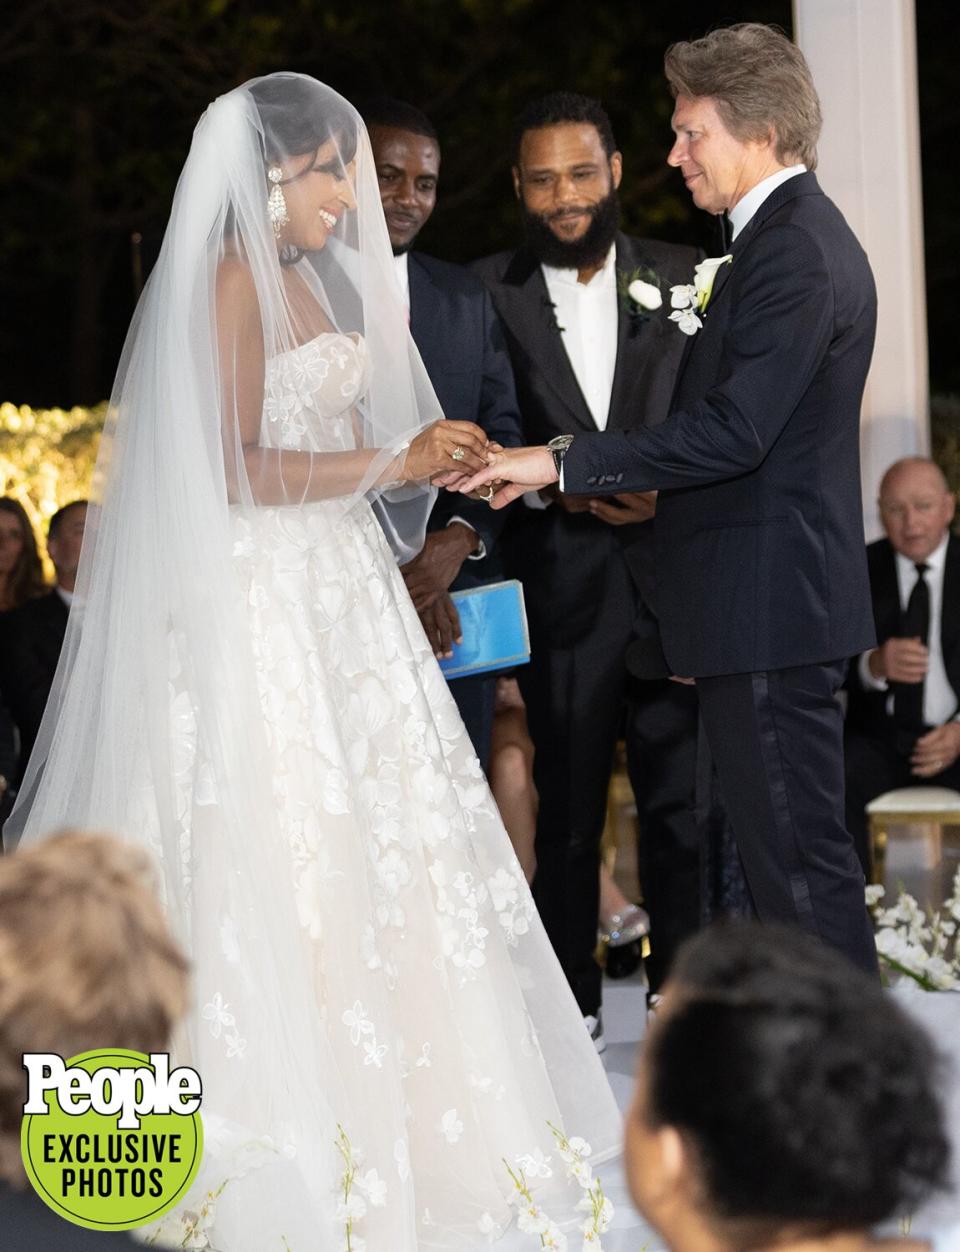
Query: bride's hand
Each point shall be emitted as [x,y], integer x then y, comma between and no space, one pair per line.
[453,480]
[445,447]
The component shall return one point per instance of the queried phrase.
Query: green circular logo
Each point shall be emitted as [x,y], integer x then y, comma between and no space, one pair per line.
[111,1139]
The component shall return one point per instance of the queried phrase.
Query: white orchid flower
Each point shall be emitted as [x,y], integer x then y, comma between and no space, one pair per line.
[686,320]
[646,295]
[682,297]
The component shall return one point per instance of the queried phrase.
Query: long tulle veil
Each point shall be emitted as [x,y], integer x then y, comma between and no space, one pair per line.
[156,672]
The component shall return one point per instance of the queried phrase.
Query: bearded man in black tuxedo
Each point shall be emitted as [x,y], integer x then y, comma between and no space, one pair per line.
[581,303]
[762,587]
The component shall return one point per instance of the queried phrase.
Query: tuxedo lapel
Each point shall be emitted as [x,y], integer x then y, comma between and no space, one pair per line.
[799,185]
[637,343]
[424,310]
[531,318]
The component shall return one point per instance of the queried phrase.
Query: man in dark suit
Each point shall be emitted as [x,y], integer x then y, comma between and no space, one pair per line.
[762,587]
[590,354]
[32,635]
[903,705]
[461,342]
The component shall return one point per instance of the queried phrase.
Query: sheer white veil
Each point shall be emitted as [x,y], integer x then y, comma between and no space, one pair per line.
[155,724]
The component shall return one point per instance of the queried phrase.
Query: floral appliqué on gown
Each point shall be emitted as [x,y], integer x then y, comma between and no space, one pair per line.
[449,1036]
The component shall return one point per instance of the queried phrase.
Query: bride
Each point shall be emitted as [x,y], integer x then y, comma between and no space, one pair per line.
[247,691]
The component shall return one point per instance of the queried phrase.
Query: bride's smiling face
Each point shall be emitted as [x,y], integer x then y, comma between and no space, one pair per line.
[319,192]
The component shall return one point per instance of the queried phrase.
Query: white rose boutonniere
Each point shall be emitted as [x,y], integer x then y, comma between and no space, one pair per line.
[645,295]
[640,295]
[689,302]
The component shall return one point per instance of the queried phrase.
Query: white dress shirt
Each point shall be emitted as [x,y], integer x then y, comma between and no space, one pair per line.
[400,265]
[745,208]
[587,315]
[939,698]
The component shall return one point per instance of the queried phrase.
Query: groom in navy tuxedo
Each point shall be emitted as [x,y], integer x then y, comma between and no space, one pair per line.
[461,342]
[761,573]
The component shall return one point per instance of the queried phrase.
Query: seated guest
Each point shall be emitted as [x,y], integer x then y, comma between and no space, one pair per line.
[32,635]
[783,1101]
[21,579]
[902,726]
[21,574]
[460,339]
[510,772]
[86,961]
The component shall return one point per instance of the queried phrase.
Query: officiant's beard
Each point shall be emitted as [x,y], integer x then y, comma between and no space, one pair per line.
[590,249]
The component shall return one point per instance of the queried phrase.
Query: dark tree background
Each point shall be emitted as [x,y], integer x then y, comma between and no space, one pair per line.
[101,97]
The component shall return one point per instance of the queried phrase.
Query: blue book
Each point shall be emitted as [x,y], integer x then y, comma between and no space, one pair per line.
[493,621]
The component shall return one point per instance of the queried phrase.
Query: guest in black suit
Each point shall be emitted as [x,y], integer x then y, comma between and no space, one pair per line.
[586,355]
[903,705]
[88,961]
[460,339]
[32,635]
[762,587]
[21,578]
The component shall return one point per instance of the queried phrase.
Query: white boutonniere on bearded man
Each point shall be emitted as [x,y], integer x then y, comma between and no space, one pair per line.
[689,302]
[639,294]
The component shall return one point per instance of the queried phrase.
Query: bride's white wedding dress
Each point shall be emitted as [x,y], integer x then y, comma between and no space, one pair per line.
[448,1037]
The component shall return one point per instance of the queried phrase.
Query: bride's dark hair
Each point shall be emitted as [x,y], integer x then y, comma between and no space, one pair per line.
[295,123]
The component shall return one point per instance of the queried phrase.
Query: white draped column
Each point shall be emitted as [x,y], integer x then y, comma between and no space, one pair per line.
[864,61]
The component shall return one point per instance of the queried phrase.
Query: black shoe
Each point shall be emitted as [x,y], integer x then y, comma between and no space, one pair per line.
[624,960]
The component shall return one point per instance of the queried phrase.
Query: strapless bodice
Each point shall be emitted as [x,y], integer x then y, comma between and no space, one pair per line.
[310,391]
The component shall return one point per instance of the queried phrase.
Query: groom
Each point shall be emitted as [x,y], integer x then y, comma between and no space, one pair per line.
[760,567]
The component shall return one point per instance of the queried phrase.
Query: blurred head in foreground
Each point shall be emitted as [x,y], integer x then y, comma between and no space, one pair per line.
[86,961]
[782,1097]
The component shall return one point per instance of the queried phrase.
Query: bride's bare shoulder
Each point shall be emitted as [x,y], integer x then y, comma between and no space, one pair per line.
[237,302]
[234,279]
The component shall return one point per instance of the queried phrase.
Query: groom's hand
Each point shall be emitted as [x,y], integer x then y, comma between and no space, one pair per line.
[520,469]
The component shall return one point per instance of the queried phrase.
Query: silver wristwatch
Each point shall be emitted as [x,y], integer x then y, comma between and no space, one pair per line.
[558,446]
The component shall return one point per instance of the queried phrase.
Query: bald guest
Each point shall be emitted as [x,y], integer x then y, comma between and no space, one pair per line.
[903,718]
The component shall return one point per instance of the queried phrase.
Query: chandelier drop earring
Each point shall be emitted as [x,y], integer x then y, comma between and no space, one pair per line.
[276,204]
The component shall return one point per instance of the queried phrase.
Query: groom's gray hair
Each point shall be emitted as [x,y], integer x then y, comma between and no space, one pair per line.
[760,82]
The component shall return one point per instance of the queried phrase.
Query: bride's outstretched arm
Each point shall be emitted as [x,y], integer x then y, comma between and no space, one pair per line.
[287,476]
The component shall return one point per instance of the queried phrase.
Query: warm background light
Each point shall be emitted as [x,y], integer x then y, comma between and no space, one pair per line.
[47,458]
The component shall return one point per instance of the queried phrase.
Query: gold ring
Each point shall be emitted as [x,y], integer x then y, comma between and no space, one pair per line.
[458,453]
[488,494]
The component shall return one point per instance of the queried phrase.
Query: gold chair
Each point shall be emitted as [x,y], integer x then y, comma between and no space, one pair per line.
[935,807]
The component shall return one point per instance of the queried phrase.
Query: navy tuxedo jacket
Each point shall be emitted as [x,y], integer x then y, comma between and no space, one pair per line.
[461,342]
[760,559]
[867,710]
[562,558]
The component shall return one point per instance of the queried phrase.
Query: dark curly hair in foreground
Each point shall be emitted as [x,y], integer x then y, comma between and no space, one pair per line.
[806,1097]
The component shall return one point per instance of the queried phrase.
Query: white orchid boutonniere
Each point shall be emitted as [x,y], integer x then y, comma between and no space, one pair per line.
[640,295]
[689,302]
